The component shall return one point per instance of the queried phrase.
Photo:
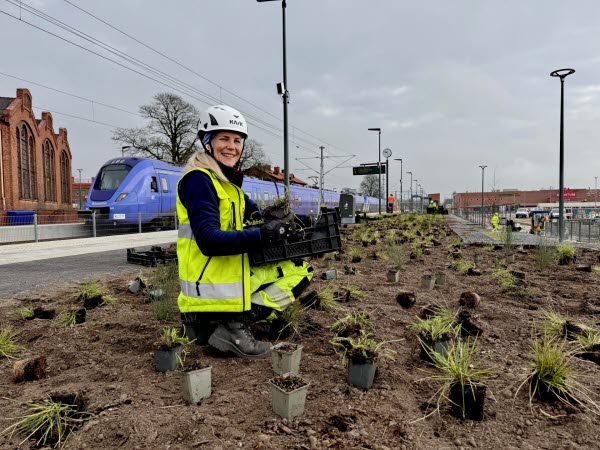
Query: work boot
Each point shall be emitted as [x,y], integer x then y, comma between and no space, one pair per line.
[236,337]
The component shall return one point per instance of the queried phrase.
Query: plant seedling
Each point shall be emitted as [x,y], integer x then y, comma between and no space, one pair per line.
[566,253]
[462,377]
[461,265]
[352,324]
[545,254]
[294,317]
[93,294]
[25,312]
[8,347]
[553,377]
[50,422]
[362,349]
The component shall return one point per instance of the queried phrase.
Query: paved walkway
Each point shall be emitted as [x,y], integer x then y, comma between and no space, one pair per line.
[36,251]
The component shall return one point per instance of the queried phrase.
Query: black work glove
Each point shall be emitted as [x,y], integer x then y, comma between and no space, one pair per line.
[272,231]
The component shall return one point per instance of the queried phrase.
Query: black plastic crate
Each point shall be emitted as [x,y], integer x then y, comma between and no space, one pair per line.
[156,255]
[324,237]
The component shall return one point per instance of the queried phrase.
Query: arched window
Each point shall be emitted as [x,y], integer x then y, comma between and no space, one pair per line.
[26,163]
[65,176]
[49,179]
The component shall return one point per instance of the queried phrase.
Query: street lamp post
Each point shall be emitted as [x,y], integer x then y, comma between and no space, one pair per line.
[596,194]
[379,164]
[482,189]
[387,153]
[562,74]
[79,170]
[125,147]
[285,94]
[410,203]
[416,192]
[400,159]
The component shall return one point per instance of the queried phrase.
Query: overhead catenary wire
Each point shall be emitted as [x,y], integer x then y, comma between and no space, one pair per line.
[167,79]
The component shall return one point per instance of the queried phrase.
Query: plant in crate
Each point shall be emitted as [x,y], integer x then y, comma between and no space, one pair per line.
[361,354]
[463,379]
[170,350]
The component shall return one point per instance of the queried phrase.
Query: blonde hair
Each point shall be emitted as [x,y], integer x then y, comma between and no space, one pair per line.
[200,159]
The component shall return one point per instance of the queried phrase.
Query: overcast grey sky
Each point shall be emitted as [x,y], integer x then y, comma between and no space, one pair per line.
[452,84]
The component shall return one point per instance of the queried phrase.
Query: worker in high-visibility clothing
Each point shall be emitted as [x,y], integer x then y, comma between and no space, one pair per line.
[391,201]
[219,289]
[495,222]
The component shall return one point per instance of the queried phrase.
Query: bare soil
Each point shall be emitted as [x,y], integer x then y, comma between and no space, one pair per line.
[109,359]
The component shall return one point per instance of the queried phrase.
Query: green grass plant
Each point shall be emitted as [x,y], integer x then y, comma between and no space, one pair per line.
[49,422]
[461,364]
[507,239]
[437,326]
[326,299]
[504,276]
[553,375]
[165,277]
[294,317]
[545,254]
[94,289]
[395,255]
[362,348]
[554,325]
[355,320]
[488,248]
[566,252]
[589,339]
[68,318]
[355,292]
[25,312]
[455,243]
[461,265]
[355,252]
[8,346]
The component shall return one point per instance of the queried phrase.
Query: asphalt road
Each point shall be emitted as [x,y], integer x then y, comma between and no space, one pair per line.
[29,278]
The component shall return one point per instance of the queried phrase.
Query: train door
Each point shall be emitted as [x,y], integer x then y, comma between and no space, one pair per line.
[167,202]
[150,198]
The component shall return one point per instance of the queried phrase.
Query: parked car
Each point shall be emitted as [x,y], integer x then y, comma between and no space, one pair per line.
[522,213]
[568,214]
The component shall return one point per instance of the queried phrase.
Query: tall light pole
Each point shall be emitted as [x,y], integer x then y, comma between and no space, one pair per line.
[125,147]
[482,189]
[379,164]
[410,204]
[416,192]
[400,159]
[562,74]
[79,170]
[387,153]
[595,195]
[285,95]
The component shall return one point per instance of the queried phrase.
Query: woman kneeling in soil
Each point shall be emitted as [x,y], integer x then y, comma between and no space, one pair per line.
[218,287]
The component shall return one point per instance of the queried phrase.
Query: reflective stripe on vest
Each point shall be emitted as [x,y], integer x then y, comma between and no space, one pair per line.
[185,231]
[276,298]
[216,291]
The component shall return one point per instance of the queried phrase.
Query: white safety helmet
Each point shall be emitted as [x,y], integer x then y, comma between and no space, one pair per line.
[222,118]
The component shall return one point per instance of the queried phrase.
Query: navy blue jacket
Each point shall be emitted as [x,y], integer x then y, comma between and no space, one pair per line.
[198,195]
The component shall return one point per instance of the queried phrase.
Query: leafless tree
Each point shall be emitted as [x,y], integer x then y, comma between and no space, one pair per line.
[254,155]
[170,134]
[370,185]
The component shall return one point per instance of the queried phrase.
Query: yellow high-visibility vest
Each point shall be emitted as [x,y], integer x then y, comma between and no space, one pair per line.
[213,283]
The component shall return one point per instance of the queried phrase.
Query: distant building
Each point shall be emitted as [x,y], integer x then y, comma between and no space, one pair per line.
[35,162]
[80,190]
[264,172]
[518,198]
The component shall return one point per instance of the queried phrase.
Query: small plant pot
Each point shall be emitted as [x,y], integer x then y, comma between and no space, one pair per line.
[406,299]
[166,360]
[361,375]
[156,295]
[288,401]
[428,281]
[286,358]
[440,346]
[80,316]
[92,302]
[196,384]
[510,259]
[329,275]
[470,401]
[337,256]
[356,259]
[136,285]
[440,278]
[393,276]
[29,369]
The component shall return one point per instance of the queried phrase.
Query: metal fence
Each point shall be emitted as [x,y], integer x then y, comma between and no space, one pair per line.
[34,227]
[579,230]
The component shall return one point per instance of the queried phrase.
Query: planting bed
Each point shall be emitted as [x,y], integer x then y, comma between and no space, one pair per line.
[109,358]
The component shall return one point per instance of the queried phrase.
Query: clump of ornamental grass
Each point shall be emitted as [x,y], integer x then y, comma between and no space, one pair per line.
[554,325]
[488,248]
[355,252]
[68,318]
[545,254]
[440,324]
[362,349]
[165,278]
[454,243]
[355,292]
[25,312]
[504,276]
[589,339]
[553,376]
[521,292]
[461,265]
[170,338]
[326,299]
[461,365]
[295,319]
[417,250]
[507,239]
[50,422]
[596,269]
[8,346]
[395,255]
[94,290]
[566,253]
[352,323]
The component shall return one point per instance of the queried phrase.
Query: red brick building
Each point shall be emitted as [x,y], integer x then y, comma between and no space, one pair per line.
[35,162]
[520,198]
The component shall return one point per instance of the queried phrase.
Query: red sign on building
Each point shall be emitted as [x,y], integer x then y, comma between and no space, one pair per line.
[568,193]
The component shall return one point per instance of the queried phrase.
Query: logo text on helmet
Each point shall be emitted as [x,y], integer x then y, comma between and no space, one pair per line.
[235,122]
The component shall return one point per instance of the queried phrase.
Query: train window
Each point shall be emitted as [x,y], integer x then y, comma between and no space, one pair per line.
[111,176]
[300,201]
[266,196]
[153,185]
[164,184]
[249,194]
[273,197]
